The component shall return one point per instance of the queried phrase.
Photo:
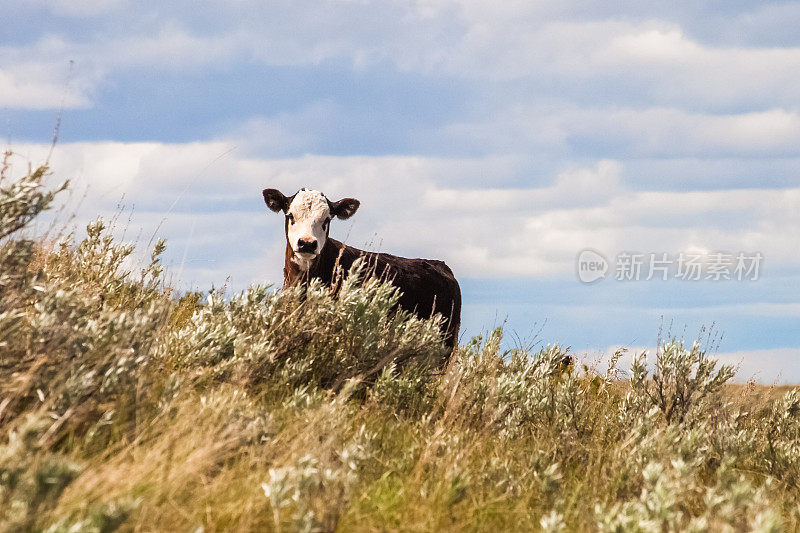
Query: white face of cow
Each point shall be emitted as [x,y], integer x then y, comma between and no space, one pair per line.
[307,225]
[308,219]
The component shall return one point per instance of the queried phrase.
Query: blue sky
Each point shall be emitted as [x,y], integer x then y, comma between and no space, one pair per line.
[503,138]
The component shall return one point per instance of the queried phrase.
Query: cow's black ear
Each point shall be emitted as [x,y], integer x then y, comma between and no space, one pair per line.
[344,208]
[275,200]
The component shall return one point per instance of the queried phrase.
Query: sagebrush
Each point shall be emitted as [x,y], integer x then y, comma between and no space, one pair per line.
[125,405]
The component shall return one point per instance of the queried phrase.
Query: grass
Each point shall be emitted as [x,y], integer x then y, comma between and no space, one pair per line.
[124,405]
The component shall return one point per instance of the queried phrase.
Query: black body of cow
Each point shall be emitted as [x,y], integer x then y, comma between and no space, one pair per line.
[427,286]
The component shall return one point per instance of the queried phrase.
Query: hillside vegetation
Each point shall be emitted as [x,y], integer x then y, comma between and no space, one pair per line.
[124,405]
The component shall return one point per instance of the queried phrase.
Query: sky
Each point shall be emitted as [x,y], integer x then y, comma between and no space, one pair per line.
[504,138]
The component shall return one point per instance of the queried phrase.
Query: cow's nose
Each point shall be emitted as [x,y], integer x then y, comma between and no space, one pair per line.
[307,246]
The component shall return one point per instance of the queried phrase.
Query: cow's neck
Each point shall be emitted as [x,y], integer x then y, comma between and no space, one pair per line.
[321,267]
[292,273]
[302,264]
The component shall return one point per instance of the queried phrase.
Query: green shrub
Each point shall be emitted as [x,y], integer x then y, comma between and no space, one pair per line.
[682,381]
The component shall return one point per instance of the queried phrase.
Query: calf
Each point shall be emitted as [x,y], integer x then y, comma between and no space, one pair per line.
[427,286]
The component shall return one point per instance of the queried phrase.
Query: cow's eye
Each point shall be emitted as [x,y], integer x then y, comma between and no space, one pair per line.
[290,218]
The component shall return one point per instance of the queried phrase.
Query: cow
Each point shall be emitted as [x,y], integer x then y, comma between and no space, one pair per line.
[427,286]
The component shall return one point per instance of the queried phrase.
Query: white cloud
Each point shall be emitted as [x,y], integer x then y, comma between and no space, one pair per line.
[779,366]
[288,132]
[571,188]
[43,75]
[573,49]
[408,210]
[171,47]
[650,132]
[34,87]
[53,69]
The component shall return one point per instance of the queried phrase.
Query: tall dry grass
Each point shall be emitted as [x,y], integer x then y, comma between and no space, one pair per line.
[125,405]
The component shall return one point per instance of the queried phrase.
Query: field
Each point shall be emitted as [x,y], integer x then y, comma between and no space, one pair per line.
[124,405]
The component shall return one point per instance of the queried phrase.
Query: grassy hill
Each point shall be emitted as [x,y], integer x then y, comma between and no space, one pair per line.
[125,405]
